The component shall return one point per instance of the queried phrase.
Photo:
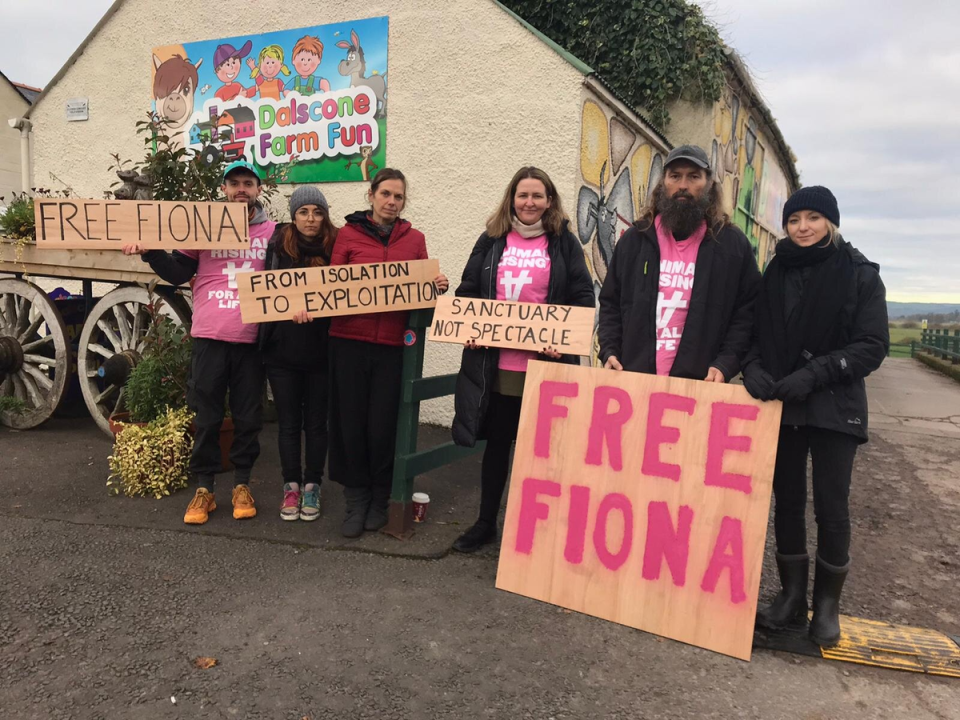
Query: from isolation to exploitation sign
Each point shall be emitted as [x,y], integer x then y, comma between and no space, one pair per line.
[338,290]
[642,500]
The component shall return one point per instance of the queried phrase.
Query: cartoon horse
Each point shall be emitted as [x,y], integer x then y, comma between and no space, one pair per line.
[354,66]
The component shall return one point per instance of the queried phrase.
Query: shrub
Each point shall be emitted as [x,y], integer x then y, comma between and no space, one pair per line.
[152,459]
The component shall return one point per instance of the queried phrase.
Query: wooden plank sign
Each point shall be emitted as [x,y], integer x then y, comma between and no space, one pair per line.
[516,325]
[157,225]
[642,500]
[337,290]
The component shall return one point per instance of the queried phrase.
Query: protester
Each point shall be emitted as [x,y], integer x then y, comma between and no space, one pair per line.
[224,350]
[821,329]
[679,292]
[295,355]
[366,358]
[527,254]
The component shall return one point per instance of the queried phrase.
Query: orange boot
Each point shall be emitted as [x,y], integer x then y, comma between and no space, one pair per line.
[200,507]
[243,506]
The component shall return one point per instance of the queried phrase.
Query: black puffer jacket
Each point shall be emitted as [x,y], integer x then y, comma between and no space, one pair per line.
[720,319]
[570,284]
[285,343]
[840,401]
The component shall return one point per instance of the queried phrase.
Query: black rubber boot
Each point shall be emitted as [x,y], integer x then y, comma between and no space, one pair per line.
[378,512]
[358,501]
[790,605]
[476,537]
[827,587]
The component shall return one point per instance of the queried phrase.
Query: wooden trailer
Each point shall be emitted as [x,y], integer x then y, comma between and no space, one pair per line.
[37,356]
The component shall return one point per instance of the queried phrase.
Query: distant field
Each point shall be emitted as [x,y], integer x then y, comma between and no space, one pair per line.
[900,340]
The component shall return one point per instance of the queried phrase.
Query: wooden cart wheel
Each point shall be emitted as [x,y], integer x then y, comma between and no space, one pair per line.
[34,354]
[110,346]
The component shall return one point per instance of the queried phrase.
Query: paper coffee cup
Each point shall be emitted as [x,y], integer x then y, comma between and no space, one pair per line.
[420,503]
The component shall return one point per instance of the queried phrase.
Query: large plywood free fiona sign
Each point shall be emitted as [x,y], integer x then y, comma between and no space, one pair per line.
[69,224]
[516,325]
[337,290]
[642,500]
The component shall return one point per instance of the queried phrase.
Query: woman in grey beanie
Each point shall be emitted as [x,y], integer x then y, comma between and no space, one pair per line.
[295,356]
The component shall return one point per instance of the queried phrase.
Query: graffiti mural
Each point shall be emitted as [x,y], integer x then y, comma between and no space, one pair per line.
[754,187]
[618,167]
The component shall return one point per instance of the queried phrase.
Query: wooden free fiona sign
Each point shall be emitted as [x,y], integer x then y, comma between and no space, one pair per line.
[516,325]
[70,224]
[642,500]
[337,290]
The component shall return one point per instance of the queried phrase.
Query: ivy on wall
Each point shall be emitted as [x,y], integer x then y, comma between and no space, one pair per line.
[650,51]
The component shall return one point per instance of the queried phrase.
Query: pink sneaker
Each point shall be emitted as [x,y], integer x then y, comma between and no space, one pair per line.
[290,509]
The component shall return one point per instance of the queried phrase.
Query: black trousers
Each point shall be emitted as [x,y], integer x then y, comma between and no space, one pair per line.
[301,400]
[502,423]
[215,367]
[364,403]
[832,454]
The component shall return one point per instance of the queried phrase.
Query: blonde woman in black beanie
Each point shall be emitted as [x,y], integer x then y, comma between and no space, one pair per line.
[821,328]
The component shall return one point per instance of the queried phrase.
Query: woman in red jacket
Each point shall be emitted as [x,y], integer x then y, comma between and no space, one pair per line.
[366,357]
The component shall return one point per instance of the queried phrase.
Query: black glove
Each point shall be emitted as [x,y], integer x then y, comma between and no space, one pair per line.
[758,382]
[795,387]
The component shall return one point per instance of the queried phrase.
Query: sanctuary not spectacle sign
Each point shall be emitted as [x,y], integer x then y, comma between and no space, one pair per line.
[337,290]
[70,224]
[642,500]
[516,325]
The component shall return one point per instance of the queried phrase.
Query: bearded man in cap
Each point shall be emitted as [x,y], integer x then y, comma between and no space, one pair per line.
[679,292]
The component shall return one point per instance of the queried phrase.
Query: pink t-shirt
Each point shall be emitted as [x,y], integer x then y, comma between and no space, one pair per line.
[678,261]
[523,275]
[216,300]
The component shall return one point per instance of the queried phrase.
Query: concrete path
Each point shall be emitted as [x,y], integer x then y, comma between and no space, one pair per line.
[908,396]
[105,603]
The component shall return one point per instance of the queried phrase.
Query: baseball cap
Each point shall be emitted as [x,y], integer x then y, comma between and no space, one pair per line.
[690,153]
[241,165]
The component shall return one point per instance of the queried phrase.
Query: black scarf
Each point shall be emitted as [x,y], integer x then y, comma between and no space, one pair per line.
[786,343]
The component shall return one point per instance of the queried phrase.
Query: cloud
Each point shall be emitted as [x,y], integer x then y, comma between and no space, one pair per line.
[868,96]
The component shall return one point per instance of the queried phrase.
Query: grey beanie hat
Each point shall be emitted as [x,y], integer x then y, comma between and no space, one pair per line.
[307,195]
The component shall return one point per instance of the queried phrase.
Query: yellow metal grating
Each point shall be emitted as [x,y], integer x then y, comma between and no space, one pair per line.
[898,647]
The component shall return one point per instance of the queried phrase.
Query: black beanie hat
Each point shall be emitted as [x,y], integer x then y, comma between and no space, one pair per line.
[815,197]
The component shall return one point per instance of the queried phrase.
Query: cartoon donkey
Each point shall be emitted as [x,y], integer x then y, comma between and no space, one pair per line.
[354,66]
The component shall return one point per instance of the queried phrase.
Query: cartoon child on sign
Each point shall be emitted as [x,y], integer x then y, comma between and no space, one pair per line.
[267,73]
[226,65]
[307,54]
[173,87]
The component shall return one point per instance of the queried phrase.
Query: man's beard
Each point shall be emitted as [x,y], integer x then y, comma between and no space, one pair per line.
[682,217]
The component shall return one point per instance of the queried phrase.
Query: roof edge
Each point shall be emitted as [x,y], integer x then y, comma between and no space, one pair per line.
[17,90]
[572,59]
[743,76]
[76,54]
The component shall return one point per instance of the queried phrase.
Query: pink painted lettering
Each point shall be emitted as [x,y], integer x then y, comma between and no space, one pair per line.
[659,434]
[577,524]
[532,510]
[720,441]
[730,536]
[548,411]
[613,501]
[606,425]
[666,543]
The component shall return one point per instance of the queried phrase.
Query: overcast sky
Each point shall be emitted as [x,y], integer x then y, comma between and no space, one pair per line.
[866,93]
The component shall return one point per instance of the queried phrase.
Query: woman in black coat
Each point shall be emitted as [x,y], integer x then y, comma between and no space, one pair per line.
[527,254]
[821,328]
[295,356]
